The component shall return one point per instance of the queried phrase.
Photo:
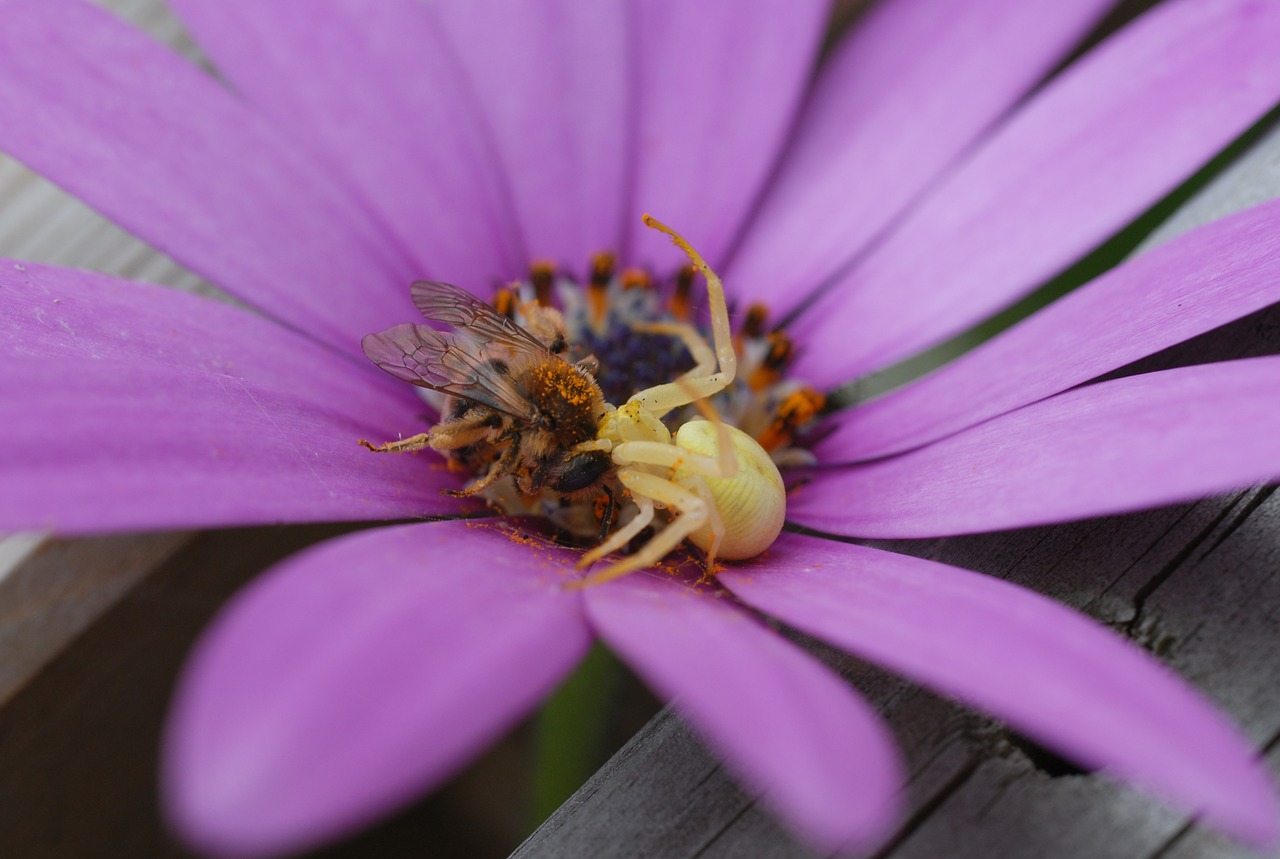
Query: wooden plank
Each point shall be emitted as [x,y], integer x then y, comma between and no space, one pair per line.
[60,587]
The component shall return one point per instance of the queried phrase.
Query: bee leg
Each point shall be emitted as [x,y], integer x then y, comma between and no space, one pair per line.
[607,517]
[501,468]
[404,445]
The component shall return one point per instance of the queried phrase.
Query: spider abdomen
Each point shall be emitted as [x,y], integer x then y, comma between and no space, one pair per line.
[752,504]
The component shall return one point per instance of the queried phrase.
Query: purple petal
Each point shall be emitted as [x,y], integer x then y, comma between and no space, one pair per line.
[904,95]
[126,407]
[1089,153]
[710,123]
[554,81]
[1113,447]
[166,152]
[374,92]
[1195,283]
[784,724]
[359,674]
[1047,671]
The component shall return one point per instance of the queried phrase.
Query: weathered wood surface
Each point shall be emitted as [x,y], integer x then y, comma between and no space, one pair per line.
[1197,583]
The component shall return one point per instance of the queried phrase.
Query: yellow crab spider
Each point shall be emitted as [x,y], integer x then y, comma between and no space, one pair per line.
[726,493]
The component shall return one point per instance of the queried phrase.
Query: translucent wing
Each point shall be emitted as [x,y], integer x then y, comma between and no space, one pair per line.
[449,363]
[444,302]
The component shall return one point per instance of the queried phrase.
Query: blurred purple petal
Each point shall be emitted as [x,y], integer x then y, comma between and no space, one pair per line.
[1112,447]
[706,140]
[784,724]
[127,407]
[1092,151]
[140,134]
[554,80]
[1051,673]
[373,91]
[1197,282]
[358,674]
[906,93]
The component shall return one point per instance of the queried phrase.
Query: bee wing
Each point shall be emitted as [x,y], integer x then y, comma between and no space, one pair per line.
[444,302]
[445,362]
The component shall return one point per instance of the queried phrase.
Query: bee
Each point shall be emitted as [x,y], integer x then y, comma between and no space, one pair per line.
[536,416]
[511,396]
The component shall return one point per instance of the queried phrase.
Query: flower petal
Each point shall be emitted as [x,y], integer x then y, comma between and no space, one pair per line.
[166,152]
[1087,155]
[359,674]
[785,725]
[1112,447]
[1193,284]
[126,407]
[903,96]
[554,82]
[710,124]
[1051,673]
[376,94]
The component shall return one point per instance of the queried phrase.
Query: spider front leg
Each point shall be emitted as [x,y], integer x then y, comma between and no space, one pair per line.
[661,399]
[693,513]
[704,359]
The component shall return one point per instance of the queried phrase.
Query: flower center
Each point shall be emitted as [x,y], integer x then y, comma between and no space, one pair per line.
[605,323]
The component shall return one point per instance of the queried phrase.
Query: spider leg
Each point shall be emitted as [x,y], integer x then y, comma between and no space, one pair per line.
[661,399]
[693,515]
[622,536]
[666,455]
[704,358]
[714,522]
[724,441]
[715,293]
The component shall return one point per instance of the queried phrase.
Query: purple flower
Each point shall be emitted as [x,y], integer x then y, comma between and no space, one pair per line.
[361,146]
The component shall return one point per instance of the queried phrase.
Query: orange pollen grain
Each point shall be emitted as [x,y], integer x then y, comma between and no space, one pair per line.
[636,278]
[770,369]
[797,409]
[504,301]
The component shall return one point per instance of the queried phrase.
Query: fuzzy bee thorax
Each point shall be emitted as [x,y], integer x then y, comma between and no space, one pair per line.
[567,399]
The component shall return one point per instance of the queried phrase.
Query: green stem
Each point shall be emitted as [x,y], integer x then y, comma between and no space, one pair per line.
[569,745]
